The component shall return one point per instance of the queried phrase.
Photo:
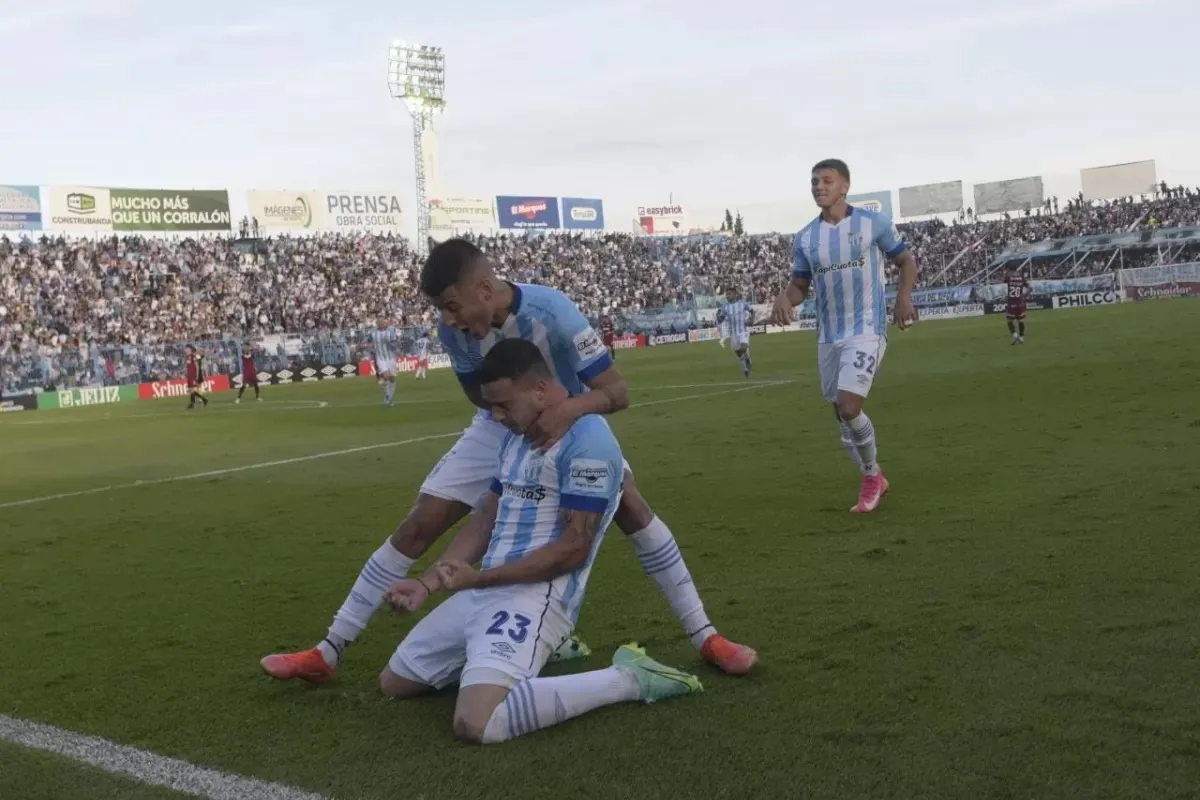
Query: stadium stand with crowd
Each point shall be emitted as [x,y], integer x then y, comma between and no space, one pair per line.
[77,311]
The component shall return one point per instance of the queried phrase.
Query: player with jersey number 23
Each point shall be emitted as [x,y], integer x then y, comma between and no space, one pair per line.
[839,258]
[536,533]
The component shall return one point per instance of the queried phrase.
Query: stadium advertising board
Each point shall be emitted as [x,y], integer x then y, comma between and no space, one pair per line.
[1018,194]
[20,208]
[361,210]
[177,387]
[1034,303]
[92,396]
[450,216]
[1118,180]
[1106,297]
[668,338]
[79,209]
[953,312]
[931,198]
[406,364]
[283,210]
[18,402]
[628,342]
[527,213]
[582,214]
[169,210]
[880,202]
[1164,291]
[300,374]
[662,220]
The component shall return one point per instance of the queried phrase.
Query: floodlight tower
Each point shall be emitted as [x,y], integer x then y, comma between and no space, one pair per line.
[417,78]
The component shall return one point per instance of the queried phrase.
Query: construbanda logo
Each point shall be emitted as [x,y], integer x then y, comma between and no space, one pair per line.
[584,214]
[529,210]
[80,203]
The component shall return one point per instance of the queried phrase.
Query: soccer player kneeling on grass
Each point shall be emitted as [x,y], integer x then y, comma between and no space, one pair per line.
[537,533]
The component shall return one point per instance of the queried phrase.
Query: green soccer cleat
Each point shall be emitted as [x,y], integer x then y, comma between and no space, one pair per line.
[656,681]
[571,649]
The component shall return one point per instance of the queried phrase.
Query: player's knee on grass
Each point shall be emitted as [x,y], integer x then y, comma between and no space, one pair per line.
[427,520]
[849,405]
[477,704]
[634,514]
[398,687]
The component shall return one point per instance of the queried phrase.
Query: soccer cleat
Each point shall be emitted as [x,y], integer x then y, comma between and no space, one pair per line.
[732,658]
[307,665]
[655,681]
[1020,340]
[874,487]
[571,649]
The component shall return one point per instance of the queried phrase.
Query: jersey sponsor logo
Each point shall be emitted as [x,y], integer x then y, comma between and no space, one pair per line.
[857,263]
[588,344]
[1085,299]
[589,475]
[535,494]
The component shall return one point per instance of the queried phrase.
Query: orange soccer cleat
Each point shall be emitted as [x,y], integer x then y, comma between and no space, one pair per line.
[307,665]
[874,487]
[731,657]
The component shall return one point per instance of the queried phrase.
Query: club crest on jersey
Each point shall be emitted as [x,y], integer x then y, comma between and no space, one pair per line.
[856,239]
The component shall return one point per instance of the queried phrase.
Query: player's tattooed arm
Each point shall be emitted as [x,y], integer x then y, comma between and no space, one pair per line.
[611,394]
[565,554]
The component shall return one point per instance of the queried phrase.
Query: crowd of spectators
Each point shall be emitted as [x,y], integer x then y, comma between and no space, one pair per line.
[73,295]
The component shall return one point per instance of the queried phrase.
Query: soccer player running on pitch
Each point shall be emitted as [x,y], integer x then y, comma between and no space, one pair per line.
[194,370]
[249,373]
[382,339]
[478,310]
[738,317]
[422,345]
[537,532]
[840,257]
[1016,299]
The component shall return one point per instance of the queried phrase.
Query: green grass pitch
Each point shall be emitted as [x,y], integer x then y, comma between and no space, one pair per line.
[1018,620]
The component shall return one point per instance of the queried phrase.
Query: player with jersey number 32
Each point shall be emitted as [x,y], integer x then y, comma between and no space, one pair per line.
[839,257]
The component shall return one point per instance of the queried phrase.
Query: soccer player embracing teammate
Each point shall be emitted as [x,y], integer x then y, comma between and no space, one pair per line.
[840,257]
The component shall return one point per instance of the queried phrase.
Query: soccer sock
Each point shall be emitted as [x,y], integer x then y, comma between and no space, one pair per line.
[661,560]
[241,392]
[541,702]
[385,566]
[389,391]
[848,443]
[1021,329]
[1012,327]
[862,433]
[257,393]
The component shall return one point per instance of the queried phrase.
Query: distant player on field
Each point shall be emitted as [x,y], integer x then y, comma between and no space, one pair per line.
[382,339]
[722,328]
[422,346]
[738,317]
[478,310]
[608,335]
[249,373]
[1016,299]
[840,257]
[194,370]
[537,532]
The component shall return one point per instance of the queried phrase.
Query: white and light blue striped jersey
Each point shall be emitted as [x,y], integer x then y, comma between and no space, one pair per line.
[582,472]
[422,345]
[549,319]
[845,263]
[382,341]
[737,315]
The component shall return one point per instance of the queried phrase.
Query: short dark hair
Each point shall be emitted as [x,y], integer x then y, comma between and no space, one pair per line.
[835,164]
[513,359]
[446,265]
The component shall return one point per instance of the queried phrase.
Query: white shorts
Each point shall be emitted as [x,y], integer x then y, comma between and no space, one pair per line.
[741,340]
[465,473]
[507,629]
[850,365]
[386,365]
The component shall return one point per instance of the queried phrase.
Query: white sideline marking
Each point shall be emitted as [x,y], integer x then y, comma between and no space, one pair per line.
[144,766]
[213,473]
[276,405]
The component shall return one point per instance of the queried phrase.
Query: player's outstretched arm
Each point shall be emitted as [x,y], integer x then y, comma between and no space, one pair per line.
[565,554]
[609,394]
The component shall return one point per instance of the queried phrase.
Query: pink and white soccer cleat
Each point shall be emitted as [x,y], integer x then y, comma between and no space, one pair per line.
[874,487]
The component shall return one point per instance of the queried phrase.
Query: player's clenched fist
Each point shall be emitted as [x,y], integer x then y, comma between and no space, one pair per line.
[406,596]
[456,575]
[784,313]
